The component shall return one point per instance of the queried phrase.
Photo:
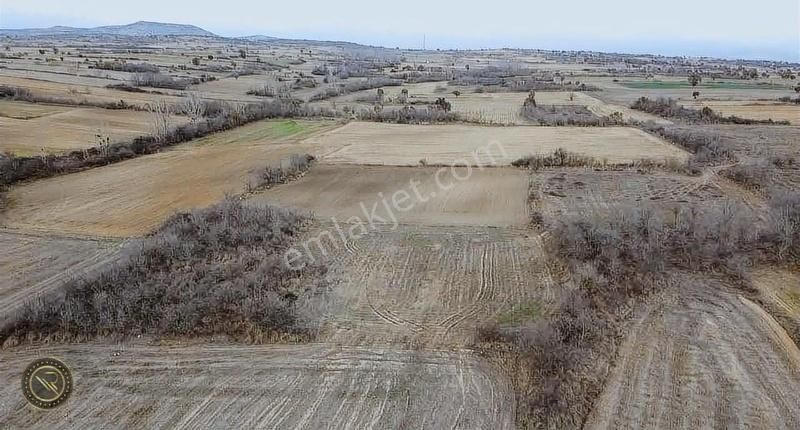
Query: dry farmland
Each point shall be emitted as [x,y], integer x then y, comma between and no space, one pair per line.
[57,129]
[714,358]
[487,197]
[402,145]
[561,192]
[83,93]
[753,109]
[432,286]
[492,107]
[295,386]
[37,264]
[133,197]
[445,287]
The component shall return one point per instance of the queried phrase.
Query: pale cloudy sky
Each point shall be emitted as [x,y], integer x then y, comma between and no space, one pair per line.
[728,28]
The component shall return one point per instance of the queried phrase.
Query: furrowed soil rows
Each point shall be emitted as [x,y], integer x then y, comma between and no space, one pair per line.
[409,145]
[132,197]
[703,357]
[288,387]
[35,265]
[488,197]
[434,285]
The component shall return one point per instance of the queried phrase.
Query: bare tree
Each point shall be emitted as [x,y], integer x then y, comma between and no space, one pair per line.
[161,112]
[404,95]
[102,142]
[194,108]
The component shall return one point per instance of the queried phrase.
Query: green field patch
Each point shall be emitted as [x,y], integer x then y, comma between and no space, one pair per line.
[521,313]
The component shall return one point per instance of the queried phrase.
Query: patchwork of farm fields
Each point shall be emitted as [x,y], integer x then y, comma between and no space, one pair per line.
[131,198]
[33,128]
[431,245]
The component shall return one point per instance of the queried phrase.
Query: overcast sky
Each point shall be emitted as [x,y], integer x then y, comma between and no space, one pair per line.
[726,28]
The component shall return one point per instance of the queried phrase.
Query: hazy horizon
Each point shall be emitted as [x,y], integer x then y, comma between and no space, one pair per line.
[722,29]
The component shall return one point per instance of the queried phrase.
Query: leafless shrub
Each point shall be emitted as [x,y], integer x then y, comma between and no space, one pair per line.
[409,115]
[755,175]
[616,258]
[706,145]
[121,66]
[161,113]
[564,115]
[262,91]
[157,80]
[193,107]
[559,158]
[215,271]
[290,169]
[785,225]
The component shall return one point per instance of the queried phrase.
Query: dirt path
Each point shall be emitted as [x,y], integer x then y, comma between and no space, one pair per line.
[702,358]
[287,387]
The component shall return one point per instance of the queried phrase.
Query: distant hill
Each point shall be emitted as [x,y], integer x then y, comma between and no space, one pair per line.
[141,28]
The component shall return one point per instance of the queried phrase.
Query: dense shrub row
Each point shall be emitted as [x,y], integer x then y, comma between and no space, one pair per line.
[215,271]
[121,66]
[565,115]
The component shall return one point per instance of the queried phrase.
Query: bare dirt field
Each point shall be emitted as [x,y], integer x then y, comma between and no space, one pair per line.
[752,110]
[35,264]
[289,387]
[565,190]
[23,110]
[488,197]
[233,89]
[406,145]
[65,129]
[702,357]
[132,197]
[432,286]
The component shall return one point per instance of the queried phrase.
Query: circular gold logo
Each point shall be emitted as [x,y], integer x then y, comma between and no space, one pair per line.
[46,383]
